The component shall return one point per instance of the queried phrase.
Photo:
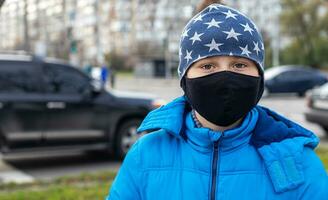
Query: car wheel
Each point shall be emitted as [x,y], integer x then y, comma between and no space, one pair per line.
[126,137]
[301,94]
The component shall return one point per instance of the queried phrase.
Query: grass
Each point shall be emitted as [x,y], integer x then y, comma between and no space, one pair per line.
[82,187]
[124,74]
[323,154]
[60,192]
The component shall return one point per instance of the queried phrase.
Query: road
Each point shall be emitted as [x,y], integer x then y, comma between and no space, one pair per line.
[48,166]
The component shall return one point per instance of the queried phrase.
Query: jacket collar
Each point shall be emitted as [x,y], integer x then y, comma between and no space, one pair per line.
[229,139]
[169,117]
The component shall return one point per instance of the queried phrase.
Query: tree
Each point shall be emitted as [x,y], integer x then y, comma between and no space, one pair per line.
[305,22]
[116,61]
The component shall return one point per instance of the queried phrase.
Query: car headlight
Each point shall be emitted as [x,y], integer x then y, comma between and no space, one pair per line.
[157,103]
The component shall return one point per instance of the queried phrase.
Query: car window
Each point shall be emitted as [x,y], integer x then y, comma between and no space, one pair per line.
[284,76]
[19,77]
[63,79]
[303,74]
[272,72]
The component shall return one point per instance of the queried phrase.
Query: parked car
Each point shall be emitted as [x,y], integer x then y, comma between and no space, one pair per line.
[47,104]
[292,79]
[317,102]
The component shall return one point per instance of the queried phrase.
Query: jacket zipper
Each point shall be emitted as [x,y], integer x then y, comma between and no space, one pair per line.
[215,168]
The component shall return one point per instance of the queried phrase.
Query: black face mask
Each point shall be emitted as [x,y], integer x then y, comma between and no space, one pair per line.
[223,97]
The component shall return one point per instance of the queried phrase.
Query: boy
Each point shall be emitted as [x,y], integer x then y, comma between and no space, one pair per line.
[215,142]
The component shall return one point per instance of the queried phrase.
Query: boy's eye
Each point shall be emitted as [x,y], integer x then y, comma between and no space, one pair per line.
[239,65]
[207,66]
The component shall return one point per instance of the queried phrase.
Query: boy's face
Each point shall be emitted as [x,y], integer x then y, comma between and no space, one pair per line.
[215,64]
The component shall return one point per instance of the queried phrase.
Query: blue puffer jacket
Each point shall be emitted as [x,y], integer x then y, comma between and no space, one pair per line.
[267,157]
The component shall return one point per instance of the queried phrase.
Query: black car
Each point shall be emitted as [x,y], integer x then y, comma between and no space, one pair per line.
[292,79]
[46,104]
[317,102]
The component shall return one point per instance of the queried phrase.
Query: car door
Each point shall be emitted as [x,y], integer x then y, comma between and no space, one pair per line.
[301,80]
[21,105]
[71,116]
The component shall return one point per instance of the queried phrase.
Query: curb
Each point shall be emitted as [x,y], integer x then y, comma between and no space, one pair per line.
[9,174]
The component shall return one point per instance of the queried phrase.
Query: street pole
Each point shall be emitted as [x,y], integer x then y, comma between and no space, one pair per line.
[26,30]
[133,43]
[276,38]
[100,56]
[168,56]
[168,74]
[72,43]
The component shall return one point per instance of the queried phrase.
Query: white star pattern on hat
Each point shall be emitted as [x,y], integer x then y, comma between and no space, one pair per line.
[198,18]
[245,51]
[188,56]
[256,47]
[232,34]
[213,7]
[185,33]
[196,37]
[179,71]
[213,45]
[229,14]
[247,28]
[213,23]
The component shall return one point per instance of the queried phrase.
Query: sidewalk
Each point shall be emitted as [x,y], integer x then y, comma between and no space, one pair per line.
[10,174]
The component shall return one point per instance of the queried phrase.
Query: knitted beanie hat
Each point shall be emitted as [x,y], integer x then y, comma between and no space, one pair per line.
[219,30]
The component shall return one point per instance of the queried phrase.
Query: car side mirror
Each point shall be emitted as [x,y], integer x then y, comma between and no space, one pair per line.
[90,90]
[87,94]
[96,86]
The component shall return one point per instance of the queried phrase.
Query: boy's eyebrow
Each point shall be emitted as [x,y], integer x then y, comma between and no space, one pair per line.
[200,62]
[204,61]
[240,58]
[244,59]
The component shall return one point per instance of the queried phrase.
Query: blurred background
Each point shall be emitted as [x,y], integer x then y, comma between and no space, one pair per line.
[78,77]
[126,34]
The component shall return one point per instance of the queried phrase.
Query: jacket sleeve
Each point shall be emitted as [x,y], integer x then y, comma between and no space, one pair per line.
[125,185]
[316,179]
